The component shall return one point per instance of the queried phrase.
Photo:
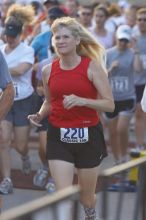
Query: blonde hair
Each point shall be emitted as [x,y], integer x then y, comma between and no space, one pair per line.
[21,15]
[114,10]
[88,46]
[141,11]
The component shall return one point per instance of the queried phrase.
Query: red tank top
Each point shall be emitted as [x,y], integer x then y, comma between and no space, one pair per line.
[67,82]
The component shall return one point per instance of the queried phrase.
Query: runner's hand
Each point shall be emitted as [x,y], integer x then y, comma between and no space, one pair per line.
[35,119]
[71,101]
[115,64]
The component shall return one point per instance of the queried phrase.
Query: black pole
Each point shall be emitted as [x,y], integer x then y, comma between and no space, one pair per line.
[104,201]
[143,199]
[121,196]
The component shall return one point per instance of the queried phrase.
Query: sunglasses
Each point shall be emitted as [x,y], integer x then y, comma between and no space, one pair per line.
[141,19]
[124,40]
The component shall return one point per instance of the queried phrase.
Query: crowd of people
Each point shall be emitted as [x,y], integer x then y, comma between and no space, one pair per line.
[75,68]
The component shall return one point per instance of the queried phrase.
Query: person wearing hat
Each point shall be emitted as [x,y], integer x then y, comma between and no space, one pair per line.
[122,61]
[50,3]
[42,42]
[47,4]
[19,58]
[44,25]
[12,29]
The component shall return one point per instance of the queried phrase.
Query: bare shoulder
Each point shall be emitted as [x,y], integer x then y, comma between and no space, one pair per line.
[95,69]
[46,71]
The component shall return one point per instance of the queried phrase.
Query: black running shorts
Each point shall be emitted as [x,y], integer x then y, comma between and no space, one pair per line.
[82,155]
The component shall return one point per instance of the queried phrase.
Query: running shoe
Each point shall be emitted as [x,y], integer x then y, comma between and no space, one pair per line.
[124,186]
[137,149]
[50,187]
[93,218]
[26,165]
[6,186]
[40,177]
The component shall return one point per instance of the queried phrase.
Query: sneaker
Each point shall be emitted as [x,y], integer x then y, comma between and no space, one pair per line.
[6,186]
[40,177]
[124,186]
[93,218]
[50,187]
[26,165]
[137,149]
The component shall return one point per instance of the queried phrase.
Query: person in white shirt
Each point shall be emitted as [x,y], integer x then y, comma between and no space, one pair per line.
[101,34]
[20,59]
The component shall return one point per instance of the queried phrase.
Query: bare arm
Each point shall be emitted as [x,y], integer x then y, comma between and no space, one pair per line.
[98,76]
[143,101]
[45,109]
[20,69]
[6,100]
[35,119]
[100,80]
[40,88]
[137,64]
[114,65]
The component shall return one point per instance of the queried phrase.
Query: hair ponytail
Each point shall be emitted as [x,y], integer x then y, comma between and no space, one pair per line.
[21,15]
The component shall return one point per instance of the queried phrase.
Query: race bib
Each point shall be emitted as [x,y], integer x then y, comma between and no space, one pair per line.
[16,90]
[119,84]
[74,135]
